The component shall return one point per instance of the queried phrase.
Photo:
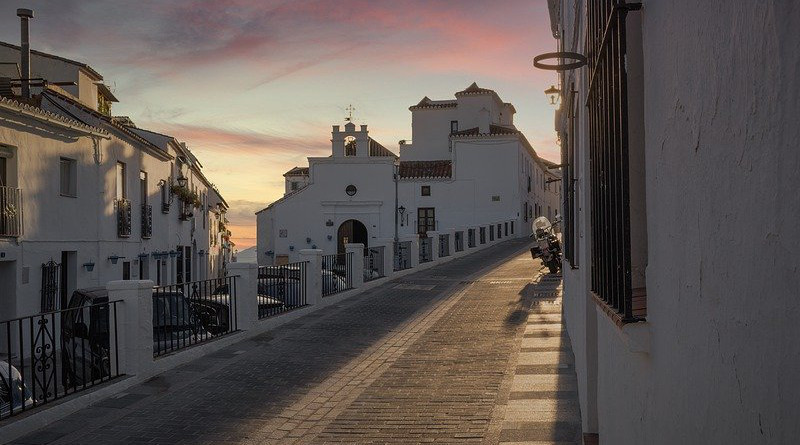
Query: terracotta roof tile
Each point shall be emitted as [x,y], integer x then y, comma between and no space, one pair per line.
[297,171]
[376,149]
[426,169]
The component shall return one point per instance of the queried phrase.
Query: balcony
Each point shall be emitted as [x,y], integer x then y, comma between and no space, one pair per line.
[10,212]
[123,217]
[147,221]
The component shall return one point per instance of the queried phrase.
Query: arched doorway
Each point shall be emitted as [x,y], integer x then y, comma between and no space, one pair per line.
[352,231]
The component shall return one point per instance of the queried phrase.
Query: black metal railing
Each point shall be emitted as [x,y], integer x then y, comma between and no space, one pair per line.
[402,254]
[458,241]
[147,221]
[337,273]
[190,313]
[425,249]
[281,288]
[10,212]
[483,235]
[471,238]
[499,230]
[444,245]
[491,233]
[373,263]
[48,356]
[123,208]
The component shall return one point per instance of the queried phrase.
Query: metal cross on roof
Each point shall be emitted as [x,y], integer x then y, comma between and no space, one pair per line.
[349,110]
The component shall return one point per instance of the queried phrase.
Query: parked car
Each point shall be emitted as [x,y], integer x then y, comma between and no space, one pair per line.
[332,282]
[85,338]
[175,323]
[13,393]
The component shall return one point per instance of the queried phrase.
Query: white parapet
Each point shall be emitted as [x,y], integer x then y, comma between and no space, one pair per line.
[357,264]
[135,330]
[313,274]
[246,276]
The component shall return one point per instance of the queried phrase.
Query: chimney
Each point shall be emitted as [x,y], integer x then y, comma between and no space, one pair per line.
[25,50]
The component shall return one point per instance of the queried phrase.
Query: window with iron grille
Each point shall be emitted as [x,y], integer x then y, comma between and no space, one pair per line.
[609,175]
[569,179]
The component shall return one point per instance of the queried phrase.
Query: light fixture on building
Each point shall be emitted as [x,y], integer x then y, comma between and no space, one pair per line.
[553,94]
[144,255]
[182,181]
[401,210]
[115,258]
[329,223]
[308,240]
[201,252]
[89,266]
[330,237]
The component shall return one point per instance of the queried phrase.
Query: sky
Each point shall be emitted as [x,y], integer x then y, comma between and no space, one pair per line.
[253,87]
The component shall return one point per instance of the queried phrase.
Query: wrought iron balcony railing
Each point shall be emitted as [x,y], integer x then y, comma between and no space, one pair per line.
[123,217]
[147,221]
[10,212]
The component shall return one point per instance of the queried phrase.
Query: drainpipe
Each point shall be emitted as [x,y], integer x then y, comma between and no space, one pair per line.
[25,50]
[396,174]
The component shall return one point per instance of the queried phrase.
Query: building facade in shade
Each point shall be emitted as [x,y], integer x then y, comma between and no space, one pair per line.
[467,166]
[87,198]
[681,173]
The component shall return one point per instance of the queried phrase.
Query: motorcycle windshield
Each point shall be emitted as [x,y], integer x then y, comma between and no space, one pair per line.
[541,223]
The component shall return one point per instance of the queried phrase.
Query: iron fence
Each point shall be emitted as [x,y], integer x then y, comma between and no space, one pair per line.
[123,217]
[337,273]
[281,288]
[459,241]
[186,314]
[48,356]
[425,250]
[402,252]
[483,235]
[147,221]
[444,245]
[373,263]
[10,212]
[471,238]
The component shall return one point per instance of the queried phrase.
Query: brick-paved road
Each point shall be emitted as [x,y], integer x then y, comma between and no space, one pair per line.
[426,358]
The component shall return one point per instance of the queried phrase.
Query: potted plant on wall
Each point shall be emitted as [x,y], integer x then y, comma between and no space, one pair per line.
[189,197]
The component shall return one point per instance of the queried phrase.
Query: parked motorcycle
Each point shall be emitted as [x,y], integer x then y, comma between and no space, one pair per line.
[548,247]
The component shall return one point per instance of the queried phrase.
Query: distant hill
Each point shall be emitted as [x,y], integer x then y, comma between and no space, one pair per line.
[249,255]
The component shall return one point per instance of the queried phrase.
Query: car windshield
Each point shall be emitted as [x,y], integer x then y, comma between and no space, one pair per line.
[172,311]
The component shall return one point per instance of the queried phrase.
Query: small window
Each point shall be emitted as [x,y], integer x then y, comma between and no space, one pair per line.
[426,190]
[69,177]
[453,127]
[293,186]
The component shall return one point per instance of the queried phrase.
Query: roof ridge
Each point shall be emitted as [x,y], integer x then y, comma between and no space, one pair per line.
[51,115]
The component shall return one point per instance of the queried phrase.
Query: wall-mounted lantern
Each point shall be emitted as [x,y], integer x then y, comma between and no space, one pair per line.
[553,94]
[308,240]
[291,248]
[269,253]
[201,252]
[402,211]
[89,266]
[182,180]
[329,223]
[115,258]
[330,237]
[313,246]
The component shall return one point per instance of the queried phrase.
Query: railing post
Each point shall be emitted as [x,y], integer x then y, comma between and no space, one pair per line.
[135,327]
[246,286]
[388,255]
[357,267]
[434,236]
[313,283]
[413,249]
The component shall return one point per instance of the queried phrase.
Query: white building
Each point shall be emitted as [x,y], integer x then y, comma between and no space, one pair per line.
[681,222]
[468,166]
[86,198]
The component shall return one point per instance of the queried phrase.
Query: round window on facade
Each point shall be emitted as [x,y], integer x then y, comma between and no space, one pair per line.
[351,190]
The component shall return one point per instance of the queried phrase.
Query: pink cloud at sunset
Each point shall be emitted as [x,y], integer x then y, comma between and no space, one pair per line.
[253,86]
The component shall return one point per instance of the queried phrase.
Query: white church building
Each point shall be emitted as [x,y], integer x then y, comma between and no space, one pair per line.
[468,167]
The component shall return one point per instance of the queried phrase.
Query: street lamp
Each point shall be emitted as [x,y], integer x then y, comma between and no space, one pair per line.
[401,210]
[552,93]
[182,181]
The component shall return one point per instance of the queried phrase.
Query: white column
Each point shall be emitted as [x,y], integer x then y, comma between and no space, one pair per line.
[357,272]
[313,274]
[434,236]
[246,276]
[413,251]
[135,327]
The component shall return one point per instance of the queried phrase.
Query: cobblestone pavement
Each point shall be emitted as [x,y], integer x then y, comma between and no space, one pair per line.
[429,357]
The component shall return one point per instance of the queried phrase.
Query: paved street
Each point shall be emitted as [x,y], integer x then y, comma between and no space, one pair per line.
[472,351]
